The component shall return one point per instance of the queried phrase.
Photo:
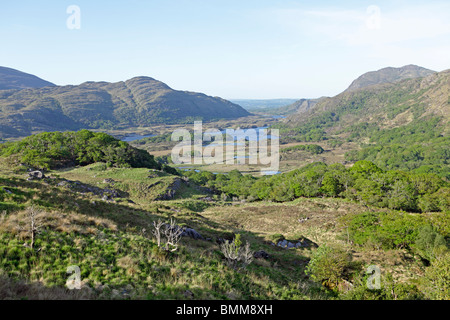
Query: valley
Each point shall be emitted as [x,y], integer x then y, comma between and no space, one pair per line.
[363,181]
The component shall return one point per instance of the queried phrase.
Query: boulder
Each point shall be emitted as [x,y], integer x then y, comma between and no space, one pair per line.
[188,232]
[63,183]
[283,243]
[261,254]
[35,175]
[302,243]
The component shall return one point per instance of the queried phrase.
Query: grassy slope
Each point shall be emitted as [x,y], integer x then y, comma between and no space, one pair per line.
[111,241]
[108,241]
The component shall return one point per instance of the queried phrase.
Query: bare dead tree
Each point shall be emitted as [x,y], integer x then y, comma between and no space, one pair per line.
[230,252]
[169,233]
[34,226]
[157,225]
[173,235]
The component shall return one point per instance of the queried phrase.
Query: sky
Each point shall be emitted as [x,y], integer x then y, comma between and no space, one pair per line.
[245,49]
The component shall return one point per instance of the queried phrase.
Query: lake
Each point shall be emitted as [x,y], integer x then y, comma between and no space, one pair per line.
[136,137]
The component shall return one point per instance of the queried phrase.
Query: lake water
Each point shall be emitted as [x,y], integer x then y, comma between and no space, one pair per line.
[270,173]
[137,137]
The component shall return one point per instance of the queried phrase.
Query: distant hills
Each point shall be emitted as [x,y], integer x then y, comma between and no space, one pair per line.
[138,102]
[299,106]
[262,104]
[277,107]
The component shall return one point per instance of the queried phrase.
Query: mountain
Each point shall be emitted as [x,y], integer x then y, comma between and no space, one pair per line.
[386,75]
[299,106]
[138,102]
[389,75]
[17,80]
[403,125]
[385,104]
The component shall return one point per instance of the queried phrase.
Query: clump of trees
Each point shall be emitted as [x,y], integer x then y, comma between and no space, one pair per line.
[51,150]
[397,230]
[311,148]
[364,182]
[419,147]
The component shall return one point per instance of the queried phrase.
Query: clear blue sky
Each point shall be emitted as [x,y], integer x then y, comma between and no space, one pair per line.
[233,49]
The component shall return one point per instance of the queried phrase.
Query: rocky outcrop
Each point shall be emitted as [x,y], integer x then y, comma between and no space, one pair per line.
[261,254]
[35,175]
[301,243]
[107,194]
[188,232]
[171,190]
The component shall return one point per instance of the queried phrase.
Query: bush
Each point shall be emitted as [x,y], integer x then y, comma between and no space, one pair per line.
[430,243]
[236,254]
[327,265]
[362,228]
[390,290]
[388,230]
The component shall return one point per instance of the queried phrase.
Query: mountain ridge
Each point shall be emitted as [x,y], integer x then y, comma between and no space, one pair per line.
[389,75]
[139,101]
[12,79]
[427,95]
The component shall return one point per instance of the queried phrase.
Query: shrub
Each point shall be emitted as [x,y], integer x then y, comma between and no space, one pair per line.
[237,255]
[388,230]
[429,243]
[327,265]
[362,228]
[390,290]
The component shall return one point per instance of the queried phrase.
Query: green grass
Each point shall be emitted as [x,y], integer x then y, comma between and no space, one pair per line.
[118,257]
